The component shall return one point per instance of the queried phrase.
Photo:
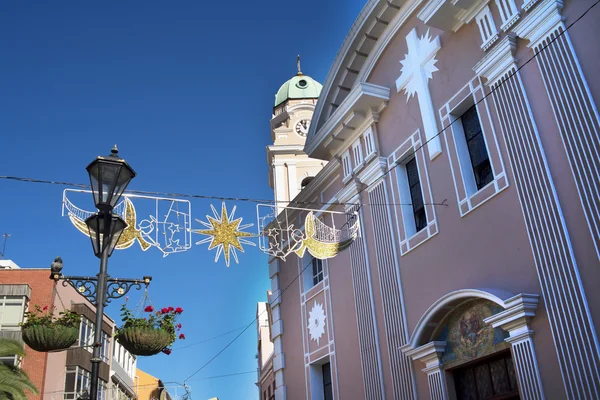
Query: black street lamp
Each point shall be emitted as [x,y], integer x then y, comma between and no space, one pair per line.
[109,177]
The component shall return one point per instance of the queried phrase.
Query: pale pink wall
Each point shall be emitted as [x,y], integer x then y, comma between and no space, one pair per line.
[588,52]
[346,336]
[292,328]
[486,248]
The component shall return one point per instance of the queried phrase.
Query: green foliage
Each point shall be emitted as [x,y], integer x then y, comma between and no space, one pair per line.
[45,317]
[164,319]
[13,380]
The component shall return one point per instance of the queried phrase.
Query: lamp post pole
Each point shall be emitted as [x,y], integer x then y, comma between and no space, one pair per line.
[109,177]
[102,277]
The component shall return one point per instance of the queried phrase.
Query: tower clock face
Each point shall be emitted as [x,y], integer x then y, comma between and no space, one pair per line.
[302,127]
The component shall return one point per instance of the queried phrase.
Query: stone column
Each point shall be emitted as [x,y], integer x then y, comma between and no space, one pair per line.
[515,320]
[431,355]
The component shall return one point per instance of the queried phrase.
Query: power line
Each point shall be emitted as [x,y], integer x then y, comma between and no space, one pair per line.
[225,376]
[206,197]
[384,174]
[543,48]
[247,326]
[209,339]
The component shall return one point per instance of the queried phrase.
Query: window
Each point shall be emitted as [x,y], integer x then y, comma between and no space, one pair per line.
[416,196]
[487,28]
[86,338]
[10,360]
[86,334]
[77,380]
[508,13]
[346,165]
[369,143]
[102,390]
[105,347]
[317,270]
[11,312]
[358,156]
[480,160]
[327,388]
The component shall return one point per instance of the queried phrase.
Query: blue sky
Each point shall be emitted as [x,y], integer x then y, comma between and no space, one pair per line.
[186,89]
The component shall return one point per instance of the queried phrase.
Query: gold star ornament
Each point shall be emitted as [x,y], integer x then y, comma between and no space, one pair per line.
[225,233]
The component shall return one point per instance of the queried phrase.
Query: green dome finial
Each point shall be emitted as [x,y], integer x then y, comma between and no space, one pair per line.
[299,87]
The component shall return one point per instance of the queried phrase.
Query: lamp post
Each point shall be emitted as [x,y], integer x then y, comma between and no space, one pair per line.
[109,177]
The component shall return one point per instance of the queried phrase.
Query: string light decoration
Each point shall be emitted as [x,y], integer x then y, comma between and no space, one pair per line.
[167,227]
[279,237]
[225,233]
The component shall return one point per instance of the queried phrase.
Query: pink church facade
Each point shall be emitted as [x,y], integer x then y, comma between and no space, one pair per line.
[466,136]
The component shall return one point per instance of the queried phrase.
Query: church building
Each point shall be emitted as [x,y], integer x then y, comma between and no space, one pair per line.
[464,137]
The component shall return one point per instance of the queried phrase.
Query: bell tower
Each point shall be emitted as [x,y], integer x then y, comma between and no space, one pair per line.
[290,168]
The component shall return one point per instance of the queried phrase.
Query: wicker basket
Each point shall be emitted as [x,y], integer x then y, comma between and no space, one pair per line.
[50,337]
[143,341]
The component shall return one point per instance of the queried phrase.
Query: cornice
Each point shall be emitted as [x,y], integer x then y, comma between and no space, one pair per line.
[373,171]
[360,42]
[365,99]
[350,192]
[519,310]
[540,22]
[315,185]
[498,61]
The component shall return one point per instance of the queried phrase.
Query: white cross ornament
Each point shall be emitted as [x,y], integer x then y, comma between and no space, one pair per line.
[417,68]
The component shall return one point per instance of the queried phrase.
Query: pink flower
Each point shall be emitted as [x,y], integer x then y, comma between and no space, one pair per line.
[149,309]
[164,310]
[167,351]
[171,309]
[182,336]
[178,310]
[45,308]
[178,326]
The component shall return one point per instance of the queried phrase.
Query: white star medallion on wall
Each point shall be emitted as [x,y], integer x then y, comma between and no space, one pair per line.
[316,322]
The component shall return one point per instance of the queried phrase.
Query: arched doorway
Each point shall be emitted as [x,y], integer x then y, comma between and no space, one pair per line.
[476,345]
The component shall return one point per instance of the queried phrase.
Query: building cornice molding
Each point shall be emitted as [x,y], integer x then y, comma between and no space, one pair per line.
[362,102]
[375,170]
[498,61]
[365,33]
[350,192]
[515,318]
[540,22]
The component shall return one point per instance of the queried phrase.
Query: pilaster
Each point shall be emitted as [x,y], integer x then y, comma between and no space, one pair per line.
[431,355]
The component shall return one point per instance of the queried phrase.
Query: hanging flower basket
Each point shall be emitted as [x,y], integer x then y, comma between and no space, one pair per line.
[49,338]
[149,335]
[43,331]
[144,341]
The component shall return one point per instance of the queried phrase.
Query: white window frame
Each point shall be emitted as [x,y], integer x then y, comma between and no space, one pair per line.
[357,153]
[408,212]
[315,372]
[308,281]
[6,299]
[467,195]
[346,166]
[487,28]
[509,13]
[409,238]
[369,139]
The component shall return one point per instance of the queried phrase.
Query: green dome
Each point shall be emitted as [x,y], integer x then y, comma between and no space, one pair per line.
[299,87]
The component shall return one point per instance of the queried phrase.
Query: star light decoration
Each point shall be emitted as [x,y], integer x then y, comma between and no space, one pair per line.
[225,233]
[316,322]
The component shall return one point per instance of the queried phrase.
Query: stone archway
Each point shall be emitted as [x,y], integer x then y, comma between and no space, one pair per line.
[466,325]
